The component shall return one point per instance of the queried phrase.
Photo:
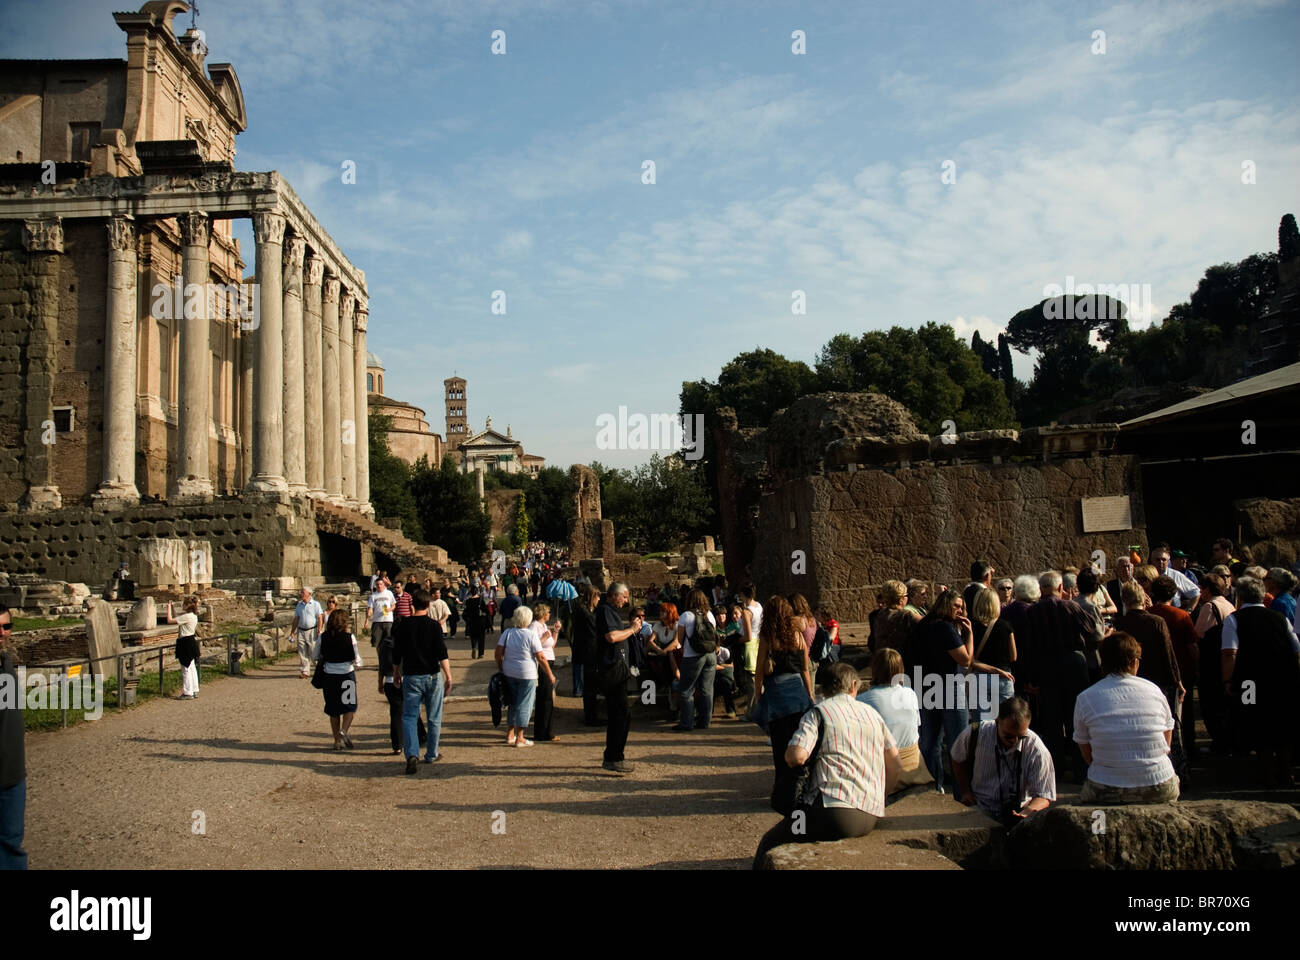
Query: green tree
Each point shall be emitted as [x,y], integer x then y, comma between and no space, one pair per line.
[449,509]
[390,481]
[550,505]
[519,521]
[930,371]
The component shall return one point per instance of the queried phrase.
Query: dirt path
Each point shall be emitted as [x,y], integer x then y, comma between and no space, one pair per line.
[253,754]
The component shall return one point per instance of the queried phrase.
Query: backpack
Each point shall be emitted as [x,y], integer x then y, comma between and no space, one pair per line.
[705,639]
[822,648]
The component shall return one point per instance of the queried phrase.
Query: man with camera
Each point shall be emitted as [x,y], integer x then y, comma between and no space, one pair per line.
[1008,771]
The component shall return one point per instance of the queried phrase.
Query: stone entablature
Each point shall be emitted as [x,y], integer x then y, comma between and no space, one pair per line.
[267,391]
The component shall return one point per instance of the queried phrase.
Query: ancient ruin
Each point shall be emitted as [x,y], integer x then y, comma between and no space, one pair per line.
[842,492]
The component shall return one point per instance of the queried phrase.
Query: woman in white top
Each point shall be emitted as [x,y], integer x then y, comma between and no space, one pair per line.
[546,635]
[520,657]
[899,708]
[1125,729]
[187,646]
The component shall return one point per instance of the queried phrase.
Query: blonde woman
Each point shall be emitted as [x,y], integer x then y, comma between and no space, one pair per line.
[995,651]
[899,707]
[545,708]
[187,646]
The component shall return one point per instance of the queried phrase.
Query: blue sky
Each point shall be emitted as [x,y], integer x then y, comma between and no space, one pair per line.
[775,172]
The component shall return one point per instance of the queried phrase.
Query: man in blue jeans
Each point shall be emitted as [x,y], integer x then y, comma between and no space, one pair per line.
[13,768]
[419,656]
[698,669]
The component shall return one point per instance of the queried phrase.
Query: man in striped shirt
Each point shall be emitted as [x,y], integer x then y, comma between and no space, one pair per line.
[1012,774]
[855,769]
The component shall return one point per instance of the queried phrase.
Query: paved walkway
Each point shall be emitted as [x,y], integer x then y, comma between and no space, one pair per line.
[253,754]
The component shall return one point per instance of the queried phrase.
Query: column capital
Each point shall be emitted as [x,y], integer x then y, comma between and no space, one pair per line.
[121,233]
[360,317]
[331,292]
[315,269]
[44,235]
[346,307]
[195,227]
[294,249]
[268,227]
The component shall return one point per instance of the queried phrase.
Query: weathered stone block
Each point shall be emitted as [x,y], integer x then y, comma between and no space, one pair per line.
[143,615]
[102,636]
[1193,835]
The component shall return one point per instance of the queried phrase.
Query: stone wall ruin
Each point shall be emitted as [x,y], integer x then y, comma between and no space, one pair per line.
[850,494]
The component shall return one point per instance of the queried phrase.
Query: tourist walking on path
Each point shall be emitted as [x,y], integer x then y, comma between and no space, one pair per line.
[187,646]
[337,648]
[613,672]
[699,645]
[519,656]
[477,618]
[545,708]
[783,688]
[308,624]
[422,669]
[380,608]
[856,767]
[13,762]
[393,694]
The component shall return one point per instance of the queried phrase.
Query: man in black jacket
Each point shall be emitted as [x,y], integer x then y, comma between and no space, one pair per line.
[1261,677]
[13,764]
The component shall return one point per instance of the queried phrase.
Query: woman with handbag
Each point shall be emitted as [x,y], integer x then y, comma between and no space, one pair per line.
[783,687]
[847,763]
[337,659]
[520,658]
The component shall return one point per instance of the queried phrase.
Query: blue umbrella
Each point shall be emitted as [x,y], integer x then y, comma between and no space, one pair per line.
[561,590]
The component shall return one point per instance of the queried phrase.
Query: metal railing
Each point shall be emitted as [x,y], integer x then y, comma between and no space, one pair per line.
[132,675]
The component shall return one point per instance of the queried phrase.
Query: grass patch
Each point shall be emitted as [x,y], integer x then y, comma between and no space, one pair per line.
[148,689]
[40,623]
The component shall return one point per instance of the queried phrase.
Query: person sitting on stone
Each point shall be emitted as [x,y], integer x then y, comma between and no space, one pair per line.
[897,704]
[1125,729]
[856,767]
[1011,774]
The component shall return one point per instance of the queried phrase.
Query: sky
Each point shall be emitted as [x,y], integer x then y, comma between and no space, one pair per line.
[943,162]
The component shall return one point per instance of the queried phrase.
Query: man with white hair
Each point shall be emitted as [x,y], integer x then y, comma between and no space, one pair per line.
[308,624]
[1058,631]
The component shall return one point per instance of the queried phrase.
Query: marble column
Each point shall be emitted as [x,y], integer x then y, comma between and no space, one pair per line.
[268,373]
[363,408]
[347,399]
[295,462]
[43,240]
[331,429]
[192,481]
[314,405]
[117,488]
[245,384]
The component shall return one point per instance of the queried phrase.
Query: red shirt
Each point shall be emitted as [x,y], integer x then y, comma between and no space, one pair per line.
[403,606]
[1182,633]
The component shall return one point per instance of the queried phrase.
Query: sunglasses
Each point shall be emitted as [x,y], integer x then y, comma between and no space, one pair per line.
[6,627]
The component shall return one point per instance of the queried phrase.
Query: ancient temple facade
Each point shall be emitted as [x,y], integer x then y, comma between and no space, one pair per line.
[143,363]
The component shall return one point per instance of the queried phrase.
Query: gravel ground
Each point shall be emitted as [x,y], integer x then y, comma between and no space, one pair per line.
[253,754]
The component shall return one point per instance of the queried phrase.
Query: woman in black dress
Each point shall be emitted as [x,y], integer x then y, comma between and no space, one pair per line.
[336,649]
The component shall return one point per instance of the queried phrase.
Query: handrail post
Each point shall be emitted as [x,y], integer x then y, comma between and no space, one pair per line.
[161,691]
[63,693]
[119,681]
